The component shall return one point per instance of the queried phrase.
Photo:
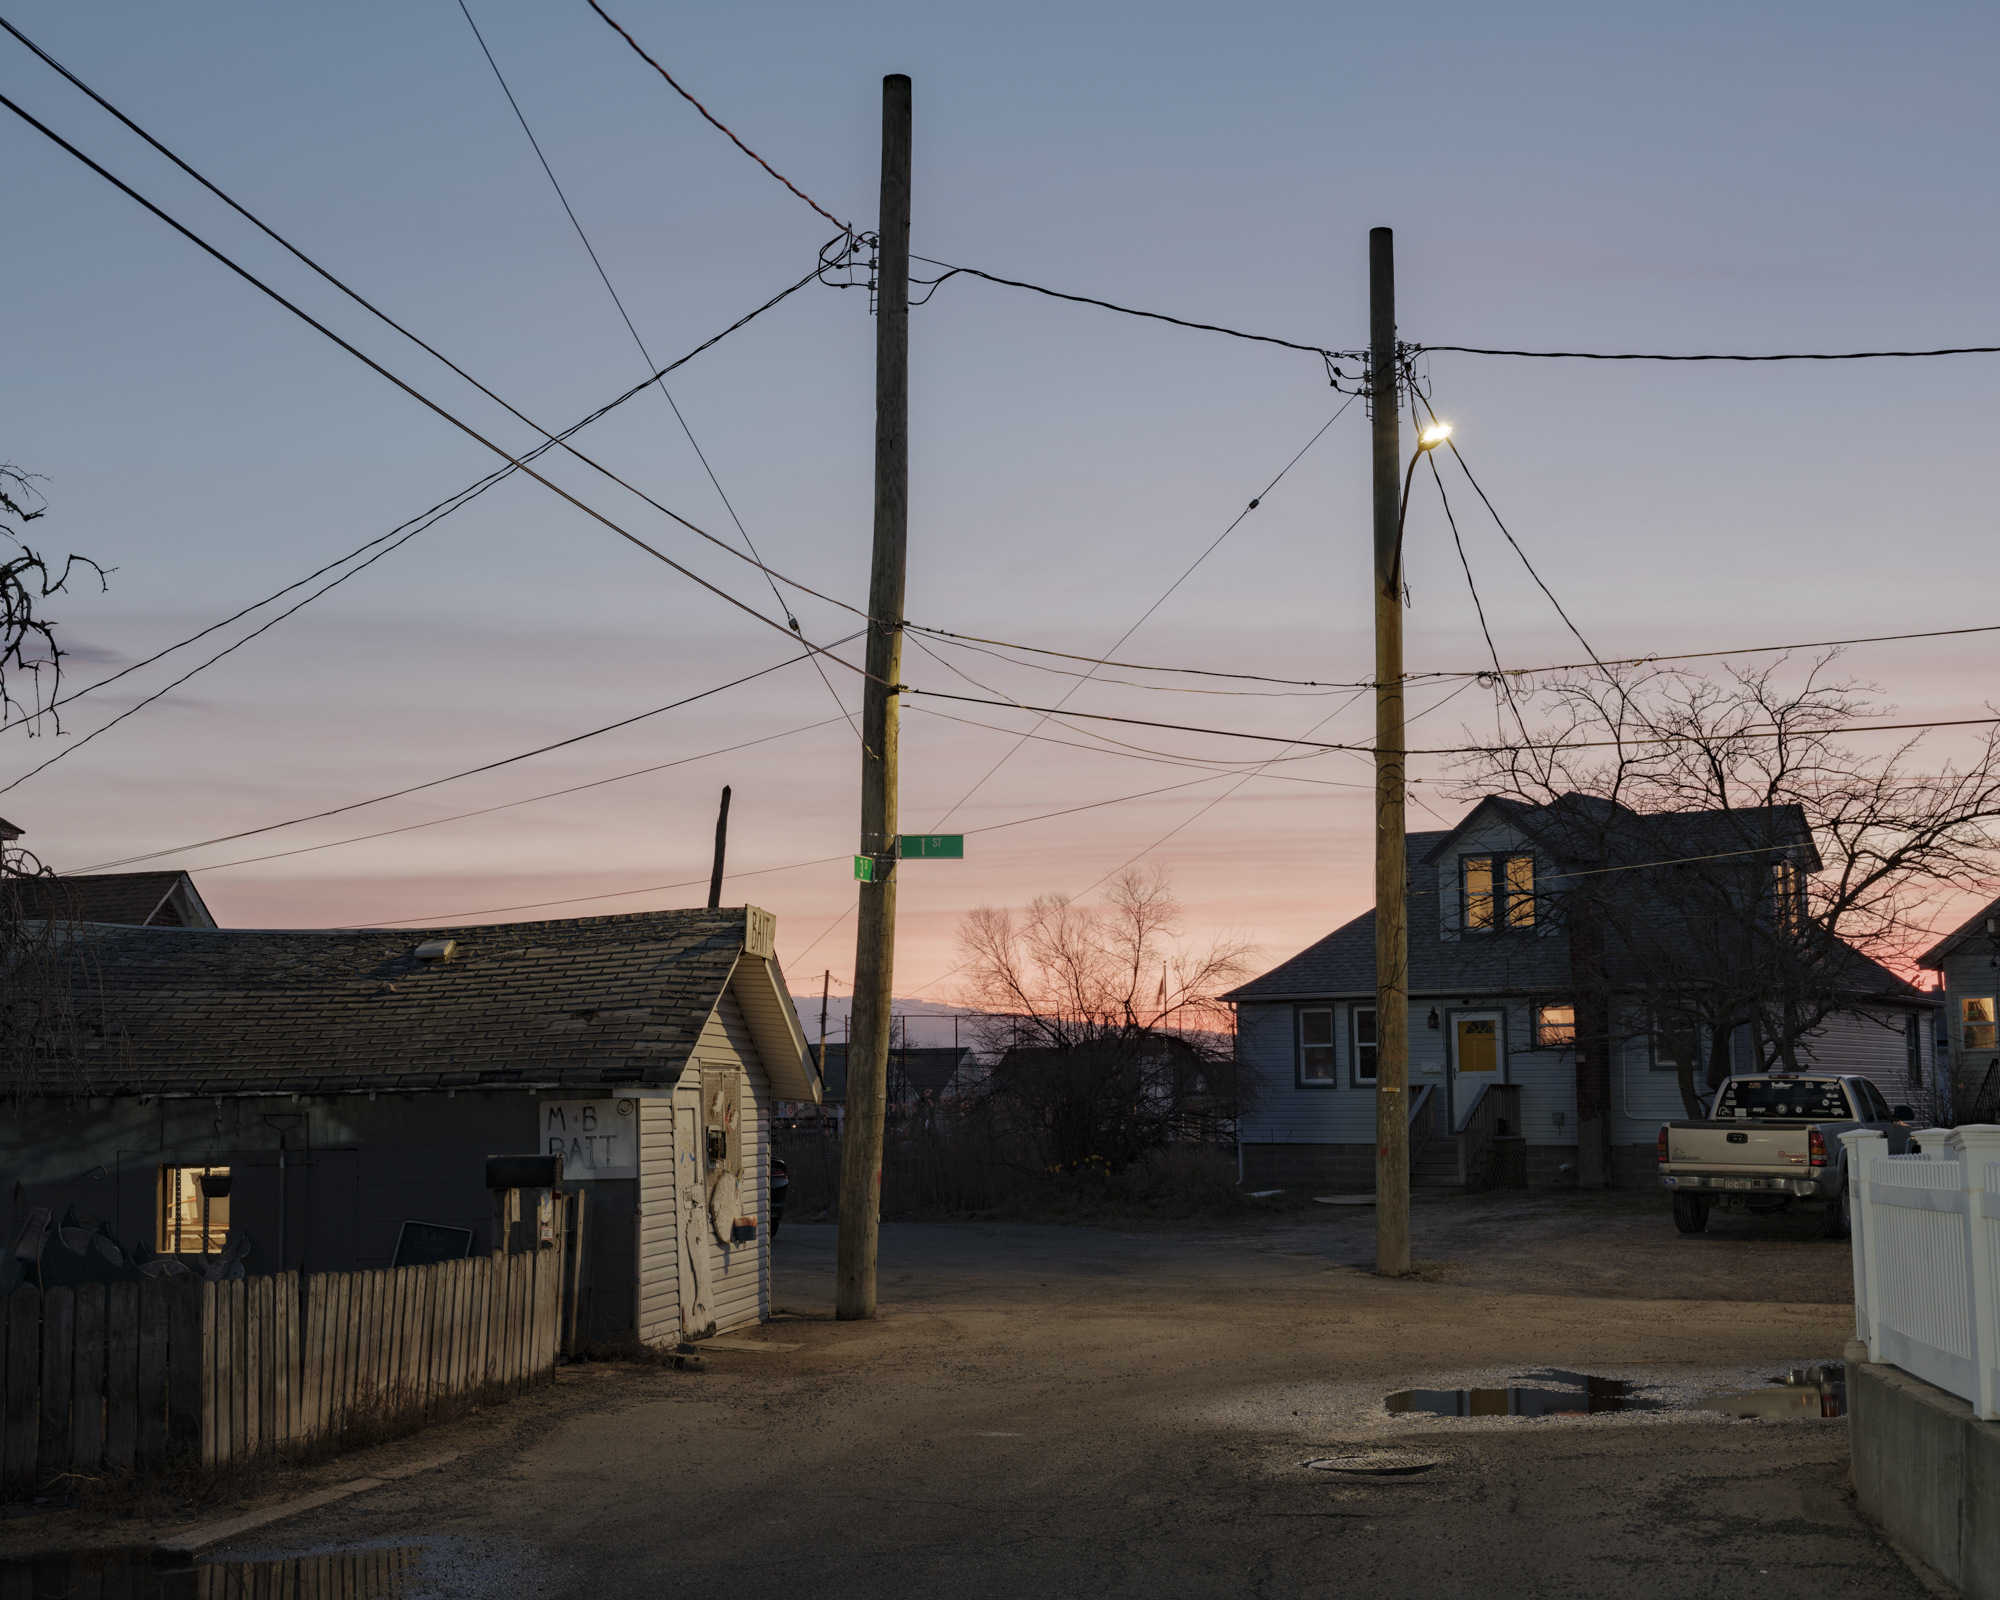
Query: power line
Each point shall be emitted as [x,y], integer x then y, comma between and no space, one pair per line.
[376,311]
[1471,749]
[533,799]
[645,354]
[428,519]
[490,766]
[1512,672]
[424,400]
[447,919]
[1592,355]
[1329,356]
[845,227]
[1255,501]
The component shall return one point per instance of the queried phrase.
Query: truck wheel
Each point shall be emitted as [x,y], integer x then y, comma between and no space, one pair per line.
[1837,1219]
[1691,1213]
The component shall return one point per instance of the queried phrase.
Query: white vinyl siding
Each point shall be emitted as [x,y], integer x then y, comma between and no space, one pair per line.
[656,1226]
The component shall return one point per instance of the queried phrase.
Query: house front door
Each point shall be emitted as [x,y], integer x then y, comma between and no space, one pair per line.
[1478,1056]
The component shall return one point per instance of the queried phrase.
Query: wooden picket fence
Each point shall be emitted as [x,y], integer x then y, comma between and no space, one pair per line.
[117,1376]
[387,1341]
[100,1375]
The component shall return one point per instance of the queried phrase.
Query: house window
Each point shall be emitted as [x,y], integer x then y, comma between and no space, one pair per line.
[1364,1044]
[194,1216]
[1667,1050]
[1787,896]
[1316,1045]
[1913,1050]
[1975,1024]
[1555,1027]
[1499,892]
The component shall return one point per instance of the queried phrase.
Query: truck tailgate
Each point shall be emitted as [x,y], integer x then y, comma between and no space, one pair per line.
[1770,1145]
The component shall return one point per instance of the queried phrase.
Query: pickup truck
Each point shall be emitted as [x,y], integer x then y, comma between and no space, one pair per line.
[1772,1141]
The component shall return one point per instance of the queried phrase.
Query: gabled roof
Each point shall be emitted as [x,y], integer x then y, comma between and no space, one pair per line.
[1344,961]
[135,899]
[925,1068]
[1973,927]
[595,1001]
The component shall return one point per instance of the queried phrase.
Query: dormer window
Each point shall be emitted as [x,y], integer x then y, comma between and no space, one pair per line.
[1499,892]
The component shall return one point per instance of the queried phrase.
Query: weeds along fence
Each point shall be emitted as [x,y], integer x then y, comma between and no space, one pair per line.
[121,1377]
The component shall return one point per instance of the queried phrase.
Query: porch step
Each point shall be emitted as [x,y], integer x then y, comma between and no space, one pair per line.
[1434,1165]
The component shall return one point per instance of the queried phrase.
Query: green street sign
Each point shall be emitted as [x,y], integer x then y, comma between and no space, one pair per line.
[864,869]
[931,846]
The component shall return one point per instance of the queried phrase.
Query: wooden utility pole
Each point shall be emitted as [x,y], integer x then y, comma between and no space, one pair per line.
[721,843]
[875,938]
[1392,986]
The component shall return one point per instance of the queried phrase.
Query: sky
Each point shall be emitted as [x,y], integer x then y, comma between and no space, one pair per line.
[1695,178]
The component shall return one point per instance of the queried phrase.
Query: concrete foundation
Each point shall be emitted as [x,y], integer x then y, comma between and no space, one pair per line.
[1350,1168]
[1928,1472]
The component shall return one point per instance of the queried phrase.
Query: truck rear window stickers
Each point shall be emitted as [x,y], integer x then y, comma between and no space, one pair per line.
[1817,1099]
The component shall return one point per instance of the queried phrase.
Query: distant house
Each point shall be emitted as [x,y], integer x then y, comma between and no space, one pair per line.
[913,1072]
[1968,958]
[345,1083]
[128,899]
[1491,1004]
[131,899]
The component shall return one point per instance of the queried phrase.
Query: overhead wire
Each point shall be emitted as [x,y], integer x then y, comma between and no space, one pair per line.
[645,354]
[1594,355]
[376,311]
[424,400]
[1464,750]
[1255,501]
[533,799]
[488,766]
[1329,356]
[846,227]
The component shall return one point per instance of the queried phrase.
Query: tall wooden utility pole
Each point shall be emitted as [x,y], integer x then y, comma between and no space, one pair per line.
[875,938]
[721,847]
[1392,944]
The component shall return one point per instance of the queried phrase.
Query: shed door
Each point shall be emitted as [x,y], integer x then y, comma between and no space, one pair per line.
[691,1199]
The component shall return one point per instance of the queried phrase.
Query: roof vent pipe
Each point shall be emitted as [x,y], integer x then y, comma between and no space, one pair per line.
[438,950]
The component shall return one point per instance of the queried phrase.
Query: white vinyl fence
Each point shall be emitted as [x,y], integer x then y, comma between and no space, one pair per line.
[1927,1257]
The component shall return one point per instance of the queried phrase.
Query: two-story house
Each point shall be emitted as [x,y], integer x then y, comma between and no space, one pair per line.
[1492,1004]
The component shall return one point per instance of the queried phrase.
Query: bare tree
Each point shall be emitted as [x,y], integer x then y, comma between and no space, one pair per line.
[46,1035]
[1727,860]
[1107,1038]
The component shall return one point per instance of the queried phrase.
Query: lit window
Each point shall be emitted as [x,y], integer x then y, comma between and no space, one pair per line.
[1555,1027]
[1316,1045]
[194,1210]
[1499,892]
[1787,896]
[1364,1044]
[1976,1030]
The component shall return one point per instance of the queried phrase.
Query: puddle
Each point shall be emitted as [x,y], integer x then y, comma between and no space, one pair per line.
[136,1574]
[1539,1394]
[1802,1392]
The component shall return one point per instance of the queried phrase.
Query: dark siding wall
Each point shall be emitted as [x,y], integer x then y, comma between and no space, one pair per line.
[356,1169]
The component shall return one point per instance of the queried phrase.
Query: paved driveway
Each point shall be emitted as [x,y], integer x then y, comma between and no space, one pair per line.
[1047,1411]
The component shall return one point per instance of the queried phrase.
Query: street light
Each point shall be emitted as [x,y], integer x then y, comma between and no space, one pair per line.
[1427,441]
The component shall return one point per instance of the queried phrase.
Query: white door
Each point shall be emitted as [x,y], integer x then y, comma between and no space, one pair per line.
[691,1201]
[1477,1055]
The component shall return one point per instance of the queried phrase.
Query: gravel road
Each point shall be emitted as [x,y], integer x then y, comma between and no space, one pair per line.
[1064,1411]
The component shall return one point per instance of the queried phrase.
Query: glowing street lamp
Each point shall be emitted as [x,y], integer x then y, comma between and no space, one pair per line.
[1433,436]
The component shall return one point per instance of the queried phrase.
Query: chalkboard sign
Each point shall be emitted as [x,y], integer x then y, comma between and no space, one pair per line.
[422,1243]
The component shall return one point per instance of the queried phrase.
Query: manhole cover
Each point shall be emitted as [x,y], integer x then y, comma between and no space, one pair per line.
[1372,1464]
